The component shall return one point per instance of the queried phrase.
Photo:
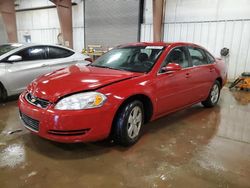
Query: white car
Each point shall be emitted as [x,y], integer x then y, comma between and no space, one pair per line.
[21,63]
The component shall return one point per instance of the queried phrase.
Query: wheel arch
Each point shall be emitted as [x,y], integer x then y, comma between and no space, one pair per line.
[147,106]
[219,79]
[2,87]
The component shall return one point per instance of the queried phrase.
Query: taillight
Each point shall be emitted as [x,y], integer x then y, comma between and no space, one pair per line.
[89,59]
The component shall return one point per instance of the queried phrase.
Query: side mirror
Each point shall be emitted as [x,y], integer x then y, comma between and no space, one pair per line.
[15,58]
[171,67]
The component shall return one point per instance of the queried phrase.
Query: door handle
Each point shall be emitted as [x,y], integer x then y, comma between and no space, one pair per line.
[211,69]
[44,65]
[187,75]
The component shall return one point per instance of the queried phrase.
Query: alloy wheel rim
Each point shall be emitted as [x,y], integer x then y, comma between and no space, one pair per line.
[215,94]
[134,122]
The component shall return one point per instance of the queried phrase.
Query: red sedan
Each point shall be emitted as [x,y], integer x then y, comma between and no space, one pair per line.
[119,92]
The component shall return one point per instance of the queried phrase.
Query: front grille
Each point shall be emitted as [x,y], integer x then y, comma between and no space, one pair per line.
[41,103]
[68,132]
[30,122]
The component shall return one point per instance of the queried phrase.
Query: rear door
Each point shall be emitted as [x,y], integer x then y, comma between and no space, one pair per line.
[60,58]
[202,73]
[20,74]
[174,89]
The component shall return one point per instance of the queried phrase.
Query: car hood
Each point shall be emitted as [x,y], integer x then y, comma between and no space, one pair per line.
[75,78]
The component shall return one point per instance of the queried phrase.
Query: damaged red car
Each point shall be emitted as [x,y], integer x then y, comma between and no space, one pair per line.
[121,91]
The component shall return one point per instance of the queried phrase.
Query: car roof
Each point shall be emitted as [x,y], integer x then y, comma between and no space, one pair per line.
[158,44]
[24,45]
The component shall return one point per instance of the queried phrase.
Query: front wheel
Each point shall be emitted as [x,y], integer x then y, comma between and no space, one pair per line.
[128,123]
[214,95]
[3,94]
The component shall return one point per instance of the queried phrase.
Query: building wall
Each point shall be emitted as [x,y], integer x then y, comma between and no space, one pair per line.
[213,24]
[3,34]
[43,25]
[108,22]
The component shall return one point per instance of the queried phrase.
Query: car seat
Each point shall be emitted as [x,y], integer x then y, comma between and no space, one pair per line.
[177,56]
[143,57]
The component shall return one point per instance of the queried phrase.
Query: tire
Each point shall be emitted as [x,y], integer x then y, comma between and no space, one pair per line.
[3,93]
[214,95]
[128,123]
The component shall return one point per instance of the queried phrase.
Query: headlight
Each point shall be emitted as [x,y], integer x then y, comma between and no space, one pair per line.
[81,101]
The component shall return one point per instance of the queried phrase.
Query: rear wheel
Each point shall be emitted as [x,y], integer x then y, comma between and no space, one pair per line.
[214,95]
[128,123]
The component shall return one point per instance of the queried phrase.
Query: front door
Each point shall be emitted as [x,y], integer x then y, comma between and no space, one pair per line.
[21,73]
[60,58]
[173,88]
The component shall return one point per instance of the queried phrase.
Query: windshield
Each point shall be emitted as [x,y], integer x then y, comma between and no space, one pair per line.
[134,59]
[5,48]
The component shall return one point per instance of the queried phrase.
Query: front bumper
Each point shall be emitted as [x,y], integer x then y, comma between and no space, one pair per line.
[67,126]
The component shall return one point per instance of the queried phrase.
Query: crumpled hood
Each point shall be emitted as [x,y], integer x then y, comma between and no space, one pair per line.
[73,79]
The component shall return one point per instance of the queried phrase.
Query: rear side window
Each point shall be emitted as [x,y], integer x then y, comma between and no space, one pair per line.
[55,52]
[33,53]
[198,56]
[210,58]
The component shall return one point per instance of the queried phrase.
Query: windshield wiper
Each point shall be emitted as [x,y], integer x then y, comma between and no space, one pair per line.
[105,67]
[96,65]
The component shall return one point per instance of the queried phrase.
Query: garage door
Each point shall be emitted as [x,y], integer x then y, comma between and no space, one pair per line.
[111,22]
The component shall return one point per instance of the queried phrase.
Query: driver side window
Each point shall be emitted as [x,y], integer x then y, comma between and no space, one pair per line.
[33,53]
[177,55]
